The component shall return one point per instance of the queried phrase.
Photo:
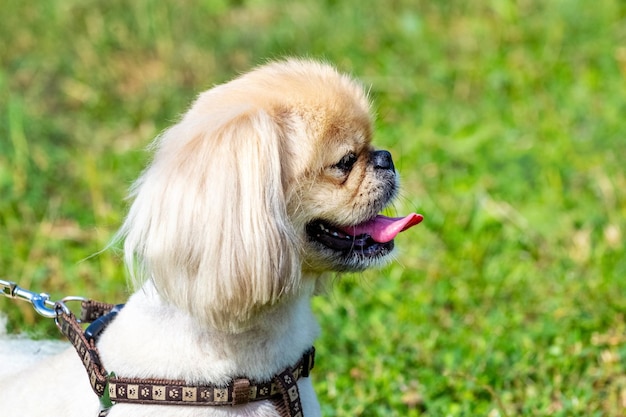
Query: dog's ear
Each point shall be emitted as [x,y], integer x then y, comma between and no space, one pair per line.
[209,221]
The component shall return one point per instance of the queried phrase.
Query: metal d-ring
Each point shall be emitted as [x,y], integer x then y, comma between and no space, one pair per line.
[62,304]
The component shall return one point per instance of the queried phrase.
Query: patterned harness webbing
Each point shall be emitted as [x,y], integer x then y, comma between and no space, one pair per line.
[282,390]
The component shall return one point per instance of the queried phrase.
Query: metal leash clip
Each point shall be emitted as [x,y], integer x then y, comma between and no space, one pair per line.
[41,301]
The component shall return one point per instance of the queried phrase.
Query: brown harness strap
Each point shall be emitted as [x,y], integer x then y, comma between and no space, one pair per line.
[87,350]
[282,389]
[92,310]
[289,405]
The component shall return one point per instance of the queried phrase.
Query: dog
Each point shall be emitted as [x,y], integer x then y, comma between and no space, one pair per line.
[266,185]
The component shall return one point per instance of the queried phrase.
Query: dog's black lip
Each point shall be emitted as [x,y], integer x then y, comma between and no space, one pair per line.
[329,235]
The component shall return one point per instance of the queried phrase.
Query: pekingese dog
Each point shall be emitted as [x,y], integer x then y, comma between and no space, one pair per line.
[267,183]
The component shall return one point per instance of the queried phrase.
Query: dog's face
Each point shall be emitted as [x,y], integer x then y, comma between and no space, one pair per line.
[354,188]
[347,183]
[264,178]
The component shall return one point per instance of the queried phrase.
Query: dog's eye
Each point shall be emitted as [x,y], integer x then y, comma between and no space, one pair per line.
[347,162]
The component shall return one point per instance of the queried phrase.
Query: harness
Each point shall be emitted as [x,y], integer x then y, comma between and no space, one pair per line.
[282,389]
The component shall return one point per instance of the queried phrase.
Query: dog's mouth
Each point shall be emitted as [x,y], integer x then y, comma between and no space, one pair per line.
[371,238]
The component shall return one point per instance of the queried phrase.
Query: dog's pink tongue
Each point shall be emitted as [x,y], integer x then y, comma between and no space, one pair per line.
[384,229]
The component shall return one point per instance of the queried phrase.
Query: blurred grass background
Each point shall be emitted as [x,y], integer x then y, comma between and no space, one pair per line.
[506,119]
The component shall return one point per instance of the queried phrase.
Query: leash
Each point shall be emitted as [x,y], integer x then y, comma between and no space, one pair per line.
[282,389]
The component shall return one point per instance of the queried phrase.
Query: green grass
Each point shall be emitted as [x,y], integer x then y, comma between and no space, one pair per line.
[507,120]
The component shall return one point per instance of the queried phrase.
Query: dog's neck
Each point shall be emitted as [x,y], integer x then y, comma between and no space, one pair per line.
[153,339]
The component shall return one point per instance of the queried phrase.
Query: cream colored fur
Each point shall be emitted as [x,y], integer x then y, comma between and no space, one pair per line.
[217,247]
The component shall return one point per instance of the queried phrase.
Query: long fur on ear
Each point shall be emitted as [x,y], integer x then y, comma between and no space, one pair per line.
[209,221]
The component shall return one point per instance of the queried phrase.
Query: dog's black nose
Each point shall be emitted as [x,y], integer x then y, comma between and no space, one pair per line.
[382,160]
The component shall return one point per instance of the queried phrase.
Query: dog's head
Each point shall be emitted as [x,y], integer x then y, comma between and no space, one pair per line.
[266,182]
